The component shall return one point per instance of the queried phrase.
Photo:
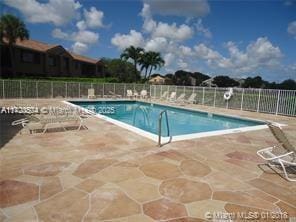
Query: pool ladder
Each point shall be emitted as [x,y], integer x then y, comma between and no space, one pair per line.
[159,127]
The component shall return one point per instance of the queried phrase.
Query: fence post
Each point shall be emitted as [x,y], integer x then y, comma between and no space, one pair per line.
[168,92]
[160,90]
[258,104]
[242,100]
[79,90]
[114,88]
[203,95]
[21,93]
[103,90]
[277,103]
[66,89]
[124,90]
[37,89]
[3,90]
[215,97]
[51,89]
[184,90]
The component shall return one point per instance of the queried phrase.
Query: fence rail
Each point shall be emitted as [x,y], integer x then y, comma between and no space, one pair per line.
[282,102]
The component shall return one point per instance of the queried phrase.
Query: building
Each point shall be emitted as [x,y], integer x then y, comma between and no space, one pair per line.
[208,83]
[157,80]
[34,58]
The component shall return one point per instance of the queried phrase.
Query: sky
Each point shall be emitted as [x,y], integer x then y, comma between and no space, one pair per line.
[235,38]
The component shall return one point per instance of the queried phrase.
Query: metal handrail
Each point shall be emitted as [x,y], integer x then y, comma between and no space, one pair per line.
[144,112]
[159,127]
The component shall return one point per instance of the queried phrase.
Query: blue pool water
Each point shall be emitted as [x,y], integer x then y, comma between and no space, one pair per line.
[181,121]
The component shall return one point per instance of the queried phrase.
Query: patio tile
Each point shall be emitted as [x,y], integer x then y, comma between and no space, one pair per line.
[194,168]
[49,187]
[118,174]
[107,204]
[15,192]
[160,170]
[242,213]
[185,191]
[219,180]
[173,155]
[89,185]
[70,205]
[92,166]
[164,209]
[275,190]
[200,209]
[242,198]
[285,208]
[46,169]
[23,216]
[140,190]
[244,156]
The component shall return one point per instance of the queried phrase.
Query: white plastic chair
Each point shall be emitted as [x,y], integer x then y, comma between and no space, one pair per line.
[285,160]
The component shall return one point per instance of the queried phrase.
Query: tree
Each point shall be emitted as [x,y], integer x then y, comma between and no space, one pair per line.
[256,82]
[120,69]
[152,60]
[134,54]
[11,29]
[289,84]
[225,81]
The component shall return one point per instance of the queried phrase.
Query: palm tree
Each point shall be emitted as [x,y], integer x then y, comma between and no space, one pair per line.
[145,62]
[11,29]
[133,53]
[155,60]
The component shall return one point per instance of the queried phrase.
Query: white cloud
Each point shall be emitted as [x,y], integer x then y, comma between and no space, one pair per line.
[57,12]
[85,36]
[79,47]
[185,51]
[81,25]
[180,33]
[187,8]
[258,54]
[158,44]
[292,29]
[201,30]
[182,64]
[123,41]
[59,34]
[169,58]
[93,18]
[82,36]
[161,29]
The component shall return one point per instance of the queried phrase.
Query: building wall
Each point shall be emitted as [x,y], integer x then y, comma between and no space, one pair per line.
[40,66]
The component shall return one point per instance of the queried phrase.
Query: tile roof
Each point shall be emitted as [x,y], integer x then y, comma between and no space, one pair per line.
[43,47]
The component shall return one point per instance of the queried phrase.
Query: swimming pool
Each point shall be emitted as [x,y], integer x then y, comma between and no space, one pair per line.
[143,118]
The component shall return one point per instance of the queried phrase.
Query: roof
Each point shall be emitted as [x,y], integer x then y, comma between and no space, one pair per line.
[35,45]
[43,47]
[83,58]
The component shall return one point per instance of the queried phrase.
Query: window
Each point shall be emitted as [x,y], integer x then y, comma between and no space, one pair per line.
[30,57]
[77,64]
[52,61]
[66,60]
[27,56]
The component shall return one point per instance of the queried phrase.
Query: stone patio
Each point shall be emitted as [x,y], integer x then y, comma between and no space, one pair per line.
[107,173]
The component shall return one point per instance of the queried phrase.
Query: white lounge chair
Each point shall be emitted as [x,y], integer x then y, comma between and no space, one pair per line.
[91,93]
[191,99]
[181,98]
[164,95]
[143,94]
[172,97]
[136,94]
[274,157]
[129,93]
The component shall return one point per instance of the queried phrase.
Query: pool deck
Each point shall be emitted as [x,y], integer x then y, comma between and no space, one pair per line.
[107,173]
